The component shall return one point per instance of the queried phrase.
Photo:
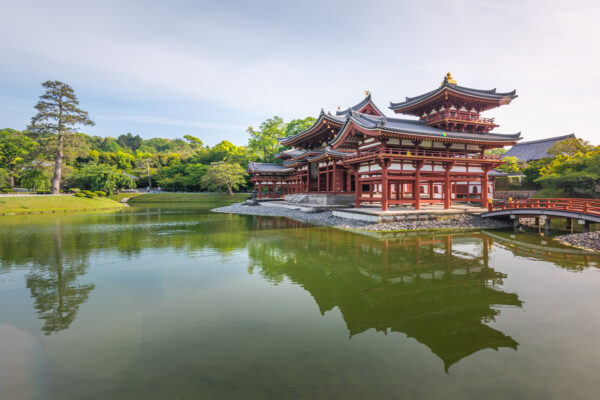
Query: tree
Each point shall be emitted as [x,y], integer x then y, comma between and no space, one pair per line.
[571,182]
[296,126]
[264,141]
[224,176]
[510,166]
[193,141]
[130,142]
[3,177]
[101,177]
[13,148]
[58,115]
[570,147]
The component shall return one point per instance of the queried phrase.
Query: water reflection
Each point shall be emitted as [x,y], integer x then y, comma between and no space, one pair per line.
[437,289]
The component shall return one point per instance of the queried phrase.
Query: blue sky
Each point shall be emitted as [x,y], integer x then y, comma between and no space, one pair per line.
[211,69]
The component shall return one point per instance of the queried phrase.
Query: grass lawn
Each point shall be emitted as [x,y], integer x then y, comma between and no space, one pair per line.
[57,203]
[121,196]
[188,198]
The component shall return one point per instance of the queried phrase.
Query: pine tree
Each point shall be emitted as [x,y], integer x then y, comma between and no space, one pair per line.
[58,115]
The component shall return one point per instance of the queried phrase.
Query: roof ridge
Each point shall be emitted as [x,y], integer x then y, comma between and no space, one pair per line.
[546,140]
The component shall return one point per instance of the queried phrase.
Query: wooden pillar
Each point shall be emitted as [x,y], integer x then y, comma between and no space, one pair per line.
[334,184]
[259,189]
[484,187]
[447,187]
[384,185]
[569,223]
[417,186]
[358,188]
[318,178]
[547,225]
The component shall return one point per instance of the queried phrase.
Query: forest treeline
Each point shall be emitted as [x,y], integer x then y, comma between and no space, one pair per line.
[29,158]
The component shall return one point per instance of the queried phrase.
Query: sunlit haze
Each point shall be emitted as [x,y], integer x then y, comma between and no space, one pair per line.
[211,69]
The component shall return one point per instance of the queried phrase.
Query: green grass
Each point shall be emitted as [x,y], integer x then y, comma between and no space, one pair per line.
[121,196]
[58,203]
[188,198]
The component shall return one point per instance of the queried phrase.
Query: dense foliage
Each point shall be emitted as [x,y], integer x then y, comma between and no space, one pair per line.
[51,150]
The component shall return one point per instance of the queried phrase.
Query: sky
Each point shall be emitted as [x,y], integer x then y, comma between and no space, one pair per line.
[212,69]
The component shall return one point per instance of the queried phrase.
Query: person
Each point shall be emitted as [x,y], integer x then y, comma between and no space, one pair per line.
[147,189]
[159,189]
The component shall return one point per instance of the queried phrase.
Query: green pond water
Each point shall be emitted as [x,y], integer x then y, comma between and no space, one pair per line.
[175,302]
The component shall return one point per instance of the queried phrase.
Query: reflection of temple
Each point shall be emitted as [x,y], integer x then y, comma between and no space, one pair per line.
[422,287]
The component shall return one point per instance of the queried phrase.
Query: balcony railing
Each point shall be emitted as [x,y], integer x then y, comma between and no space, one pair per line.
[465,117]
[387,151]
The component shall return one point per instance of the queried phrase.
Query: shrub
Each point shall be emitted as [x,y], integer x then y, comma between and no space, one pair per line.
[7,190]
[91,195]
[100,193]
[42,192]
[75,190]
[79,195]
[87,191]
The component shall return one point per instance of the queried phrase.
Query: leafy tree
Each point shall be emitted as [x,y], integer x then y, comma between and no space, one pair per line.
[571,182]
[224,176]
[264,141]
[130,142]
[58,115]
[498,151]
[570,147]
[4,179]
[101,177]
[147,163]
[36,178]
[296,126]
[510,166]
[13,148]
[193,141]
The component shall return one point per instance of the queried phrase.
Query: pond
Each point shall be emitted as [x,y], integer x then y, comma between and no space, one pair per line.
[175,302]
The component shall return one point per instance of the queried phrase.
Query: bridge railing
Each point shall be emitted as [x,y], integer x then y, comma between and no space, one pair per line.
[585,206]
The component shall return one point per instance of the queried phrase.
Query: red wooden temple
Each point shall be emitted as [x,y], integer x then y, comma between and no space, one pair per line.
[438,158]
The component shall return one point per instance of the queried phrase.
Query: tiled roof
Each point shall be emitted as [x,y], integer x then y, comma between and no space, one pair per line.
[536,149]
[255,167]
[359,106]
[328,152]
[322,116]
[416,127]
[490,94]
[289,153]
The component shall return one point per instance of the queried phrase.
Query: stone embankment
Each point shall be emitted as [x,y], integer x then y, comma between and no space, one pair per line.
[586,241]
[326,218]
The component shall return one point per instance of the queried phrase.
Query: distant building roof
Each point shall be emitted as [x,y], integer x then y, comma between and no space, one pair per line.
[254,167]
[534,150]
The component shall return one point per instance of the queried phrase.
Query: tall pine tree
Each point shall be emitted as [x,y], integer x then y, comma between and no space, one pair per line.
[58,116]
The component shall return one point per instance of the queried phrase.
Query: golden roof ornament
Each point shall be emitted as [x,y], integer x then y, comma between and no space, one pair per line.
[339,108]
[367,92]
[448,79]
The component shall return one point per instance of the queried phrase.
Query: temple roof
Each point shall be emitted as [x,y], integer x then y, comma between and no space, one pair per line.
[450,86]
[367,101]
[322,126]
[270,168]
[328,152]
[289,154]
[535,149]
[418,128]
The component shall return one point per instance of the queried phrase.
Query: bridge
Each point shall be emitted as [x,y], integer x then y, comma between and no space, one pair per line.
[586,211]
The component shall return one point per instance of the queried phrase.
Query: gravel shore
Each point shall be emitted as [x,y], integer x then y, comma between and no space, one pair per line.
[326,218]
[585,241]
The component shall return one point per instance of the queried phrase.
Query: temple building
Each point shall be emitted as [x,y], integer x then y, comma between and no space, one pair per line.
[384,161]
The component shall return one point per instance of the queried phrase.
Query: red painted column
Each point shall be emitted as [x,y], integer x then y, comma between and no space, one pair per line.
[384,186]
[417,187]
[327,180]
[447,188]
[358,190]
[334,188]
[318,179]
[484,187]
